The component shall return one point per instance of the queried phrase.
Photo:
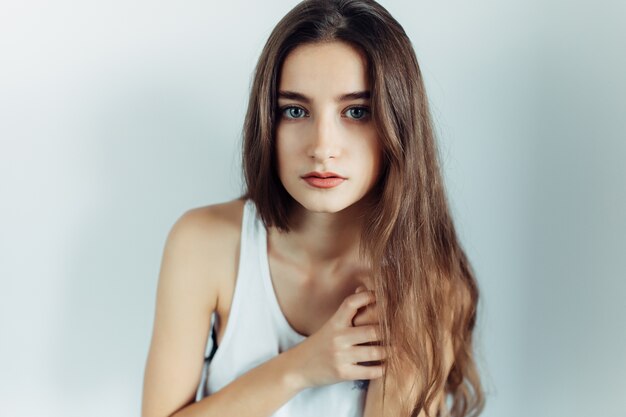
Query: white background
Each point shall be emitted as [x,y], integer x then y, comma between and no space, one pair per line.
[118,116]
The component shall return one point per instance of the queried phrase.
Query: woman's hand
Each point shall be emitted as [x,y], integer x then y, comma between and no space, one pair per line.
[332,354]
[366,315]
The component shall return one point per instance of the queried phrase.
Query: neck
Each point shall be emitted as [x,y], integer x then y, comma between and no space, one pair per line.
[321,242]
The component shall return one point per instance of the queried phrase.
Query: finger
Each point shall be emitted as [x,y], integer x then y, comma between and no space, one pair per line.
[367,353]
[360,288]
[367,371]
[351,305]
[363,334]
[366,315]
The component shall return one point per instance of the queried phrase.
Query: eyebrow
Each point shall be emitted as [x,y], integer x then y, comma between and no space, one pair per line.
[344,97]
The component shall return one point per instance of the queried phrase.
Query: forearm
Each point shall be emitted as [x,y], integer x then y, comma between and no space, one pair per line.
[257,393]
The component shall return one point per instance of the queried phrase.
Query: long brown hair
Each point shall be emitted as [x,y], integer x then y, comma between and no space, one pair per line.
[424,284]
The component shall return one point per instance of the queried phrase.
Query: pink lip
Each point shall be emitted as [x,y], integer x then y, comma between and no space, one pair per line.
[323,179]
[322,175]
[324,182]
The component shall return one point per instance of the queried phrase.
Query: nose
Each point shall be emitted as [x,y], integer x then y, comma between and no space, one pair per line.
[325,139]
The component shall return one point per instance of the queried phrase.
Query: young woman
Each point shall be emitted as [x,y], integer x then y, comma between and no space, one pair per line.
[336,285]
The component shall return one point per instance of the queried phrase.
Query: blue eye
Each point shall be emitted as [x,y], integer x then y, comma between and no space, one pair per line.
[292,112]
[359,113]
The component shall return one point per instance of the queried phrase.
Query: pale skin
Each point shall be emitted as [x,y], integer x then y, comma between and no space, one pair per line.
[315,267]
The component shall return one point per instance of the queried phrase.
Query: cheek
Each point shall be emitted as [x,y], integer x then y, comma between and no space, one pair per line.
[285,152]
[373,150]
[287,143]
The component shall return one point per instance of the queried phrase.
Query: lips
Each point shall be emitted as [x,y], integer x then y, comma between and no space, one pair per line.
[316,174]
[324,179]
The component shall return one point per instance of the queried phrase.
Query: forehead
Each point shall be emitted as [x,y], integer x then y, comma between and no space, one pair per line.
[320,68]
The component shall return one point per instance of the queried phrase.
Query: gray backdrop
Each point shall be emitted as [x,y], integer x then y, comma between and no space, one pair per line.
[118,116]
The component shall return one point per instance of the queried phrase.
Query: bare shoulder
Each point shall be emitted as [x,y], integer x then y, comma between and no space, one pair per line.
[197,260]
[207,239]
[221,217]
[225,214]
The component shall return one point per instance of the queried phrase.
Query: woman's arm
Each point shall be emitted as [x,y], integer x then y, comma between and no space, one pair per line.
[257,393]
[186,296]
[192,265]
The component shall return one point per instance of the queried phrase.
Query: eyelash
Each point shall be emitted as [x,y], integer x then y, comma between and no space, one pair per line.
[365,108]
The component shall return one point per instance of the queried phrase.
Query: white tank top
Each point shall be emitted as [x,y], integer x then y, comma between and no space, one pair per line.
[257,331]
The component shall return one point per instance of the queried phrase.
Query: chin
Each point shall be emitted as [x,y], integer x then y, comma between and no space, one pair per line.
[330,203]
[318,205]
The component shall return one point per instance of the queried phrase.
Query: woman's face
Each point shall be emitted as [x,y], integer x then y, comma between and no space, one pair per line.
[319,130]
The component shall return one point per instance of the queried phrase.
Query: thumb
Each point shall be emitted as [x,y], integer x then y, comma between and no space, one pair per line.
[359,289]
